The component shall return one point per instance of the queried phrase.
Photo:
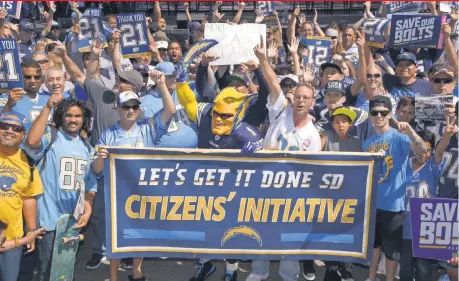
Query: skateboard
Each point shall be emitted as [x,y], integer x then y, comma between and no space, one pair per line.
[65,248]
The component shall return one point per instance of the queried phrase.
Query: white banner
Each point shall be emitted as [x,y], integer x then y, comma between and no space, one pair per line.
[236,42]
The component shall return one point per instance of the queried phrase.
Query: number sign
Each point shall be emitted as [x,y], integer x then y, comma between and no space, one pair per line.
[91,28]
[10,65]
[318,49]
[134,36]
[374,31]
[12,7]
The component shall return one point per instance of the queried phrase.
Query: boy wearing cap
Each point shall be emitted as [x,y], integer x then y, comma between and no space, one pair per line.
[397,146]
[404,82]
[335,97]
[19,186]
[130,133]
[339,139]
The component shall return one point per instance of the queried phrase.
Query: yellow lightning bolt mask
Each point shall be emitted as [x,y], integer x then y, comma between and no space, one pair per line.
[230,107]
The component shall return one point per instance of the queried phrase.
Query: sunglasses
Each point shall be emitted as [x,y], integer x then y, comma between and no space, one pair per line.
[16,128]
[334,37]
[382,112]
[222,116]
[288,85]
[43,61]
[376,75]
[443,80]
[133,107]
[36,77]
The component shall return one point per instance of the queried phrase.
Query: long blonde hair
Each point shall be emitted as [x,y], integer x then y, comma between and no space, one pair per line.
[381,89]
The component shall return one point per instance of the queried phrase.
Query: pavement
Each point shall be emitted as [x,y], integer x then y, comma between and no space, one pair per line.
[181,270]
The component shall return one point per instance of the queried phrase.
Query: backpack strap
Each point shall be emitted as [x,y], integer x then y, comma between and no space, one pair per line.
[53,139]
[31,163]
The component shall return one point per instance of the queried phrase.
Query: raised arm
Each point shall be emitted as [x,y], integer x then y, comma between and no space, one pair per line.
[39,125]
[237,17]
[316,24]
[362,68]
[93,66]
[117,51]
[292,24]
[450,130]
[451,55]
[49,19]
[268,73]
[417,143]
[157,12]
[293,49]
[168,103]
[187,11]
[70,66]
[279,28]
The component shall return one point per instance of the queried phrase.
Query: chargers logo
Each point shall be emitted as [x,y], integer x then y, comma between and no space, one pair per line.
[241,230]
[7,180]
[388,164]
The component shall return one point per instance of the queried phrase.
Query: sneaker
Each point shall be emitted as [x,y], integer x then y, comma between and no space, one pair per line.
[130,278]
[345,275]
[95,261]
[309,271]
[331,275]
[128,263]
[255,277]
[204,270]
[230,276]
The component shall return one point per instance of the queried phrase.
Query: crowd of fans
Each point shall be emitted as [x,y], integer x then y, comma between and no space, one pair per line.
[54,131]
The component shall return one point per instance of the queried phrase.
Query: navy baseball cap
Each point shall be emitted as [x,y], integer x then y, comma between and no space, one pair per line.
[406,56]
[330,64]
[335,86]
[26,25]
[193,26]
[15,117]
[380,101]
[239,76]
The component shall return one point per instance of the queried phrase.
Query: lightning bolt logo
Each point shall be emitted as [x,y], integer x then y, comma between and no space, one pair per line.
[242,230]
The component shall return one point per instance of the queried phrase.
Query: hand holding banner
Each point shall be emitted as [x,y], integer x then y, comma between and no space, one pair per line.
[374,31]
[10,63]
[12,7]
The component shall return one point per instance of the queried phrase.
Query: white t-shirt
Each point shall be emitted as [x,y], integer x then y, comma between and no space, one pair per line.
[282,134]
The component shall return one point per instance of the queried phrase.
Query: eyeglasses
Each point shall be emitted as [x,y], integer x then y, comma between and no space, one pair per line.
[28,77]
[376,75]
[288,85]
[43,61]
[383,113]
[443,80]
[133,107]
[223,116]
[16,128]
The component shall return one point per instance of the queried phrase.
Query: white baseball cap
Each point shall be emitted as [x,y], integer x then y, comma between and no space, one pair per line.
[127,96]
[162,44]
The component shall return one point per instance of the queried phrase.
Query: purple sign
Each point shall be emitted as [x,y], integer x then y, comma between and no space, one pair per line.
[434,227]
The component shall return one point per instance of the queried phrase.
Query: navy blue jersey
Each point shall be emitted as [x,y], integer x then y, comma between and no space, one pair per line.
[236,140]
[448,181]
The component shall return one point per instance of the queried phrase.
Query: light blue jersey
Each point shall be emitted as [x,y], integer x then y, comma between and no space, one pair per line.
[393,171]
[182,132]
[423,184]
[144,134]
[64,170]
[31,108]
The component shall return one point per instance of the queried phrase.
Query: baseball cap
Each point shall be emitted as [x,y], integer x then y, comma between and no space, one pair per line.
[334,86]
[406,56]
[380,101]
[331,32]
[343,110]
[127,96]
[239,76]
[442,68]
[141,68]
[330,64]
[292,77]
[193,26]
[14,116]
[162,44]
[132,77]
[26,25]
[167,68]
